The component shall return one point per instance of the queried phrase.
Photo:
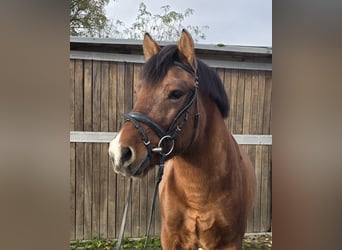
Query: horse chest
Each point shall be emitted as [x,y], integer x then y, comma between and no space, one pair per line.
[208,228]
[196,214]
[205,221]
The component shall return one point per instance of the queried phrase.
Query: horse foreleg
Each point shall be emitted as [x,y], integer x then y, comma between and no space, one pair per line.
[236,245]
[180,240]
[169,241]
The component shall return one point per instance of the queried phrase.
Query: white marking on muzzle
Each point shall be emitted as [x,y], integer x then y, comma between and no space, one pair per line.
[115,150]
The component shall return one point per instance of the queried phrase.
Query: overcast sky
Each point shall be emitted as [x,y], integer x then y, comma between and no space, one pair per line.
[239,22]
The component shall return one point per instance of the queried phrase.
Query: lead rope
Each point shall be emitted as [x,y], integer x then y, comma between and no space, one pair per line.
[124,218]
[159,178]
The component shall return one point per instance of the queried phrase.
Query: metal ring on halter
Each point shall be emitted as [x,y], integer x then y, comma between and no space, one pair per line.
[166,137]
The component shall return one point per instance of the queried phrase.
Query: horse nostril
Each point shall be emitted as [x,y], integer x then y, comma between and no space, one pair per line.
[126,154]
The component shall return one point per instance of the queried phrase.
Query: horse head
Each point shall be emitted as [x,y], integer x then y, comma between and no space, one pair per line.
[163,120]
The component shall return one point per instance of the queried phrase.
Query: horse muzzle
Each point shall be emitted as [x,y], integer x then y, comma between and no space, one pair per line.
[124,159]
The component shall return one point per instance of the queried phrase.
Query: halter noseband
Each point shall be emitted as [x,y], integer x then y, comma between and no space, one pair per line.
[166,137]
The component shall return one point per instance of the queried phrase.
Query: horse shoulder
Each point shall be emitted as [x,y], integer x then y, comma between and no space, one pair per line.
[247,177]
[170,202]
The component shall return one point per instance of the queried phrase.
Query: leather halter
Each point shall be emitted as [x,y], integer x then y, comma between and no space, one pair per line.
[166,137]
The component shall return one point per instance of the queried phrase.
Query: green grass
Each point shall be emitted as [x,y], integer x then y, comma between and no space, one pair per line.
[261,242]
[106,244]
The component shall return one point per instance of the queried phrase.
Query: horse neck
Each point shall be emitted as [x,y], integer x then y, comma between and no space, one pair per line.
[207,157]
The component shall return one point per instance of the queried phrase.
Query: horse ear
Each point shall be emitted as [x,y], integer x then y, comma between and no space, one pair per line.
[186,49]
[150,47]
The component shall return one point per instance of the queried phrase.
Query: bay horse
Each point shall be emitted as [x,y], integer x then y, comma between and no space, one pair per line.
[207,189]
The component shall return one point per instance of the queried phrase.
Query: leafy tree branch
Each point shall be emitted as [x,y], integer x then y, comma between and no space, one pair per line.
[87,18]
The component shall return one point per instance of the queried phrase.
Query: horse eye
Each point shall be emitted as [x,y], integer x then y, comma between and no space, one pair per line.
[175,94]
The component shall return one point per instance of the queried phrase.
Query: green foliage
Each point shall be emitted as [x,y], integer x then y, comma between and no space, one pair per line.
[87,17]
[262,242]
[166,26]
[106,244]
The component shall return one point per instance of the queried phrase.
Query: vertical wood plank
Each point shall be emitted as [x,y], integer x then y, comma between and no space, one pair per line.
[250,150]
[79,149]
[247,103]
[128,94]
[88,178]
[269,205]
[157,219]
[143,205]
[112,128]
[257,208]
[104,96]
[120,94]
[240,94]
[72,153]
[253,129]
[97,96]
[88,182]
[250,219]
[265,191]
[104,191]
[104,151]
[135,208]
[72,191]
[266,157]
[137,72]
[88,78]
[96,190]
[121,198]
[267,106]
[113,83]
[78,95]
[112,211]
[261,99]
[79,172]
[96,109]
[72,95]
[267,126]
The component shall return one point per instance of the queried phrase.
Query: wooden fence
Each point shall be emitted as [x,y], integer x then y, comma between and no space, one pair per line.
[101,91]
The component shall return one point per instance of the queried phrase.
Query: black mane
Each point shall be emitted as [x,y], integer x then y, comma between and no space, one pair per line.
[210,84]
